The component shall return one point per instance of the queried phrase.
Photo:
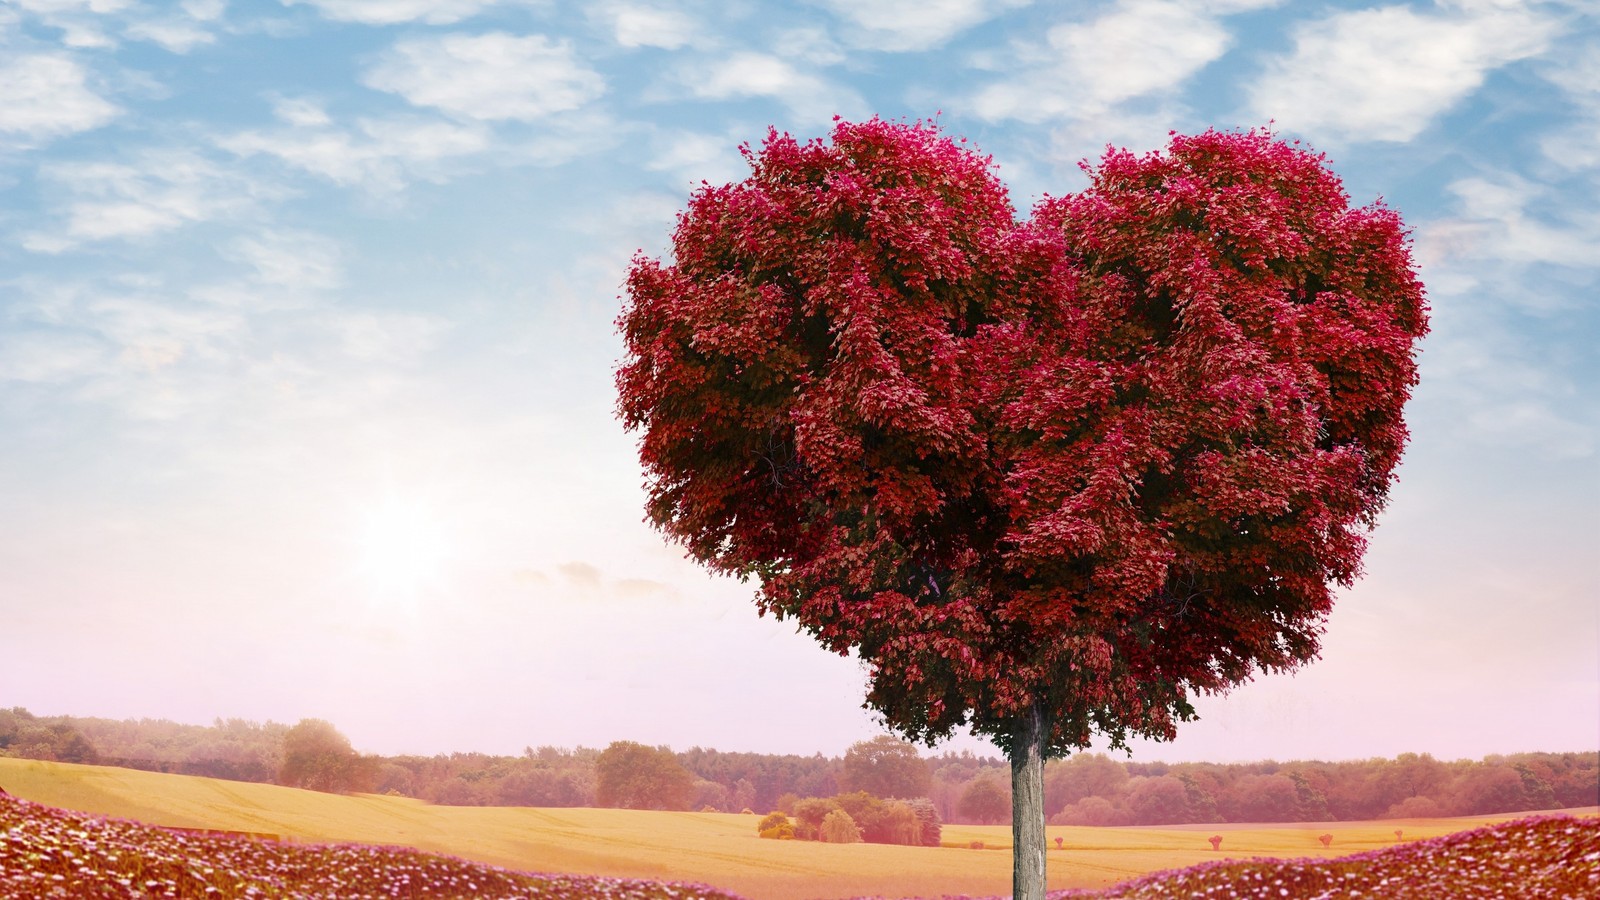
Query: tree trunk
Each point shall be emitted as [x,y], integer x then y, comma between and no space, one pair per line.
[1027,806]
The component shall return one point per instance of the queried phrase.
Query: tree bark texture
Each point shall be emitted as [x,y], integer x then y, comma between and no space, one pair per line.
[1027,807]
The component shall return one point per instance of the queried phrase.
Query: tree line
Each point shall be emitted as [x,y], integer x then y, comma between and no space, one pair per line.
[961,788]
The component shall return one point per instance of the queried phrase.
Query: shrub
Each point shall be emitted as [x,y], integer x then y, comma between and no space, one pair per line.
[975,845]
[772,820]
[1415,808]
[898,824]
[1097,812]
[784,832]
[867,812]
[839,828]
[927,819]
[809,813]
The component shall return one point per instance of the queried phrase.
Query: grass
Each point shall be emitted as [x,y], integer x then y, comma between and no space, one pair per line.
[710,848]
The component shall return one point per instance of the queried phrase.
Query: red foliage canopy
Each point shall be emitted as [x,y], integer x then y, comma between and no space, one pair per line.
[1097,461]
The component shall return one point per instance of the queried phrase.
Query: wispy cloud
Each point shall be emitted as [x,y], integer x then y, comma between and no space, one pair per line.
[160,190]
[1385,74]
[487,77]
[81,22]
[898,25]
[693,156]
[392,12]
[1576,145]
[1518,221]
[808,96]
[1119,78]
[649,25]
[99,340]
[1503,225]
[47,95]
[385,336]
[95,23]
[1137,48]
[293,260]
[808,44]
[377,154]
[175,35]
[1506,271]
[48,356]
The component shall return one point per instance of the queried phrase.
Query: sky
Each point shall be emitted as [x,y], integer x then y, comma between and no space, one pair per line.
[307,338]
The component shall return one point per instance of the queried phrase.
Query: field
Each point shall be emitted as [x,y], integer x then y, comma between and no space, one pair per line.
[710,848]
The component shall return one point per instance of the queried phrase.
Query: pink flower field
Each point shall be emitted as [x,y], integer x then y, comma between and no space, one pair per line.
[1551,858]
[48,852]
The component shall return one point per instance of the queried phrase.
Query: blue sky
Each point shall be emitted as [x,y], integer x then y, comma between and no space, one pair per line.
[306,342]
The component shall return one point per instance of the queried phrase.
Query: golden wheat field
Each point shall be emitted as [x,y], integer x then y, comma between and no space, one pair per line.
[712,848]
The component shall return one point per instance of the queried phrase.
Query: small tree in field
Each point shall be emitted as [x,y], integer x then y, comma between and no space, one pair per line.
[1047,478]
[318,757]
[984,800]
[885,767]
[839,828]
[630,775]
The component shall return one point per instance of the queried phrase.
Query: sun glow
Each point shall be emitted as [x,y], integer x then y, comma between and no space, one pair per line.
[404,550]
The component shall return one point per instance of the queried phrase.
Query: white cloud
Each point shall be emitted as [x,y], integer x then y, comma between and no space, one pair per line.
[377,154]
[808,44]
[49,356]
[159,192]
[99,332]
[44,95]
[381,336]
[80,21]
[300,111]
[1509,220]
[1138,48]
[178,37]
[1532,425]
[155,332]
[644,25]
[913,24]
[493,76]
[1493,388]
[54,7]
[694,157]
[1384,74]
[1577,145]
[296,260]
[1510,273]
[391,12]
[747,74]
[204,10]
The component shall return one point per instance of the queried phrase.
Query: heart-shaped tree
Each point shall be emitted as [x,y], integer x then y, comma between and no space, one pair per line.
[1047,478]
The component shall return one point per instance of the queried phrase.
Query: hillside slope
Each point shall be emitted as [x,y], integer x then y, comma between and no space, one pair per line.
[51,853]
[707,848]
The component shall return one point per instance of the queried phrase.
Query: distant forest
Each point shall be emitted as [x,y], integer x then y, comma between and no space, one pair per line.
[1085,789]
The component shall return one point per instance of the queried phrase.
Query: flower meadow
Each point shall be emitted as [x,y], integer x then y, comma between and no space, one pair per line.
[48,852]
[1540,858]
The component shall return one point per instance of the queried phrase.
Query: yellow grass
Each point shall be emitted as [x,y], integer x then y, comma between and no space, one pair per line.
[713,848]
